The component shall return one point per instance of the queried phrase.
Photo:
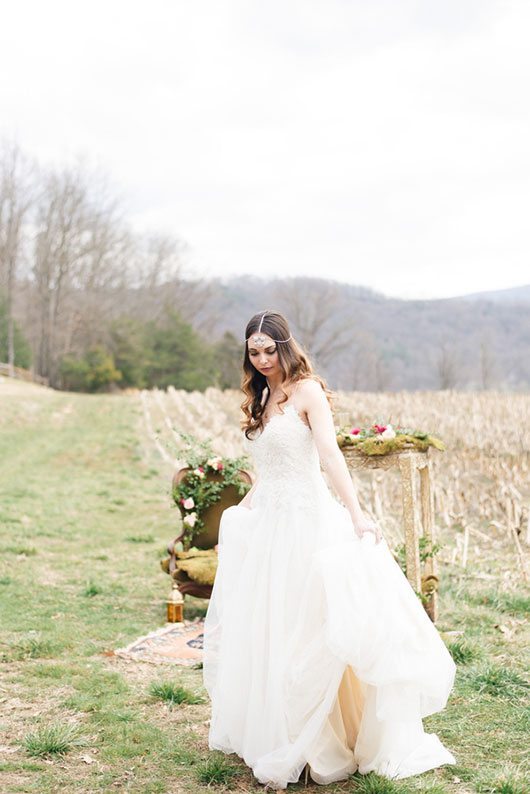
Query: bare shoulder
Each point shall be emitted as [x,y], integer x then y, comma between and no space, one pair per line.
[309,391]
[308,386]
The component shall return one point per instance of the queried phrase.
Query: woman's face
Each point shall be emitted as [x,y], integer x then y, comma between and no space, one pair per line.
[264,358]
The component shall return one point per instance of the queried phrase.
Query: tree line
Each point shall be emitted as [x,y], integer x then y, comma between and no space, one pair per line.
[87,303]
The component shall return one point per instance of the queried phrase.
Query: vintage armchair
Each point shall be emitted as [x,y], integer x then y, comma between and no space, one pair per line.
[193,569]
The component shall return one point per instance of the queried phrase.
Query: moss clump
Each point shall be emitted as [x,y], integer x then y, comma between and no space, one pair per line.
[199,565]
[371,442]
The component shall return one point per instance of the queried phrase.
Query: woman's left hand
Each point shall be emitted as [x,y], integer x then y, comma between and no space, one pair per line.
[362,525]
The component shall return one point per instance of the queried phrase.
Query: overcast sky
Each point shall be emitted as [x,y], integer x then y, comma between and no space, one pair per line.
[379,142]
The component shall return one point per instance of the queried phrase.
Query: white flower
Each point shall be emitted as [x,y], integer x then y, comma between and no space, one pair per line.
[188,503]
[199,472]
[389,432]
[215,463]
[190,519]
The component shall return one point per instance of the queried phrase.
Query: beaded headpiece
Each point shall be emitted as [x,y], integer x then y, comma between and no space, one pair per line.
[258,340]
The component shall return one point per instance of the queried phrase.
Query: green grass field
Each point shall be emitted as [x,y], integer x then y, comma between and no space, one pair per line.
[85,515]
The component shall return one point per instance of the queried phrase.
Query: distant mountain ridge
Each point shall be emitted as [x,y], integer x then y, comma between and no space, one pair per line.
[470,342]
[510,295]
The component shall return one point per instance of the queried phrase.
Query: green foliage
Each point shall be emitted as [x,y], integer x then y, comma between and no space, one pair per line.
[175,355]
[508,780]
[95,371]
[54,739]
[21,345]
[514,603]
[33,647]
[375,784]
[92,589]
[173,693]
[183,757]
[462,652]
[216,771]
[229,360]
[168,352]
[22,551]
[128,346]
[498,681]
[426,548]
[205,481]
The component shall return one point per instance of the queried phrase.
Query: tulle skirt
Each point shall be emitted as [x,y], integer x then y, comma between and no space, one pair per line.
[318,651]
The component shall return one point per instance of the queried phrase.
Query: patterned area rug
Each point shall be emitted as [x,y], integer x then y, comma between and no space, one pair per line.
[175,643]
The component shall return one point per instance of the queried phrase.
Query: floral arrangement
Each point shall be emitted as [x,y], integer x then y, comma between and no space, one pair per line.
[379,439]
[197,490]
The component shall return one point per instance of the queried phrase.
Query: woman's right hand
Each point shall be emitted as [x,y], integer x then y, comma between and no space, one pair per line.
[362,525]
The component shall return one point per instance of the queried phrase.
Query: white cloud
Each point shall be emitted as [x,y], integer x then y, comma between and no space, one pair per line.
[382,143]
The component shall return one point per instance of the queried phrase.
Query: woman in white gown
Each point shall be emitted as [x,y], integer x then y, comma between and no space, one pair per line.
[317,652]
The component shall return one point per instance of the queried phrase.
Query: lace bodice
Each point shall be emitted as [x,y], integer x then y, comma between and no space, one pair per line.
[286,462]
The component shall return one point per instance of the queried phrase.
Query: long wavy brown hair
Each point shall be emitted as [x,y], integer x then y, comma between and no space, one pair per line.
[294,363]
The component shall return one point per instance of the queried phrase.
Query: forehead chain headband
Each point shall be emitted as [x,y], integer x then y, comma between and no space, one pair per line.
[258,340]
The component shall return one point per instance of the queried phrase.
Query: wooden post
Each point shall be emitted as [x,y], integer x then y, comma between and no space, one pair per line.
[430,566]
[410,519]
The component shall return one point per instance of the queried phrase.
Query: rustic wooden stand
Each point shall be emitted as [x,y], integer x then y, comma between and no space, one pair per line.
[409,461]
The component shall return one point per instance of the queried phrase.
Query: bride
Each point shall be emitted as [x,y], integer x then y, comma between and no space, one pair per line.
[317,652]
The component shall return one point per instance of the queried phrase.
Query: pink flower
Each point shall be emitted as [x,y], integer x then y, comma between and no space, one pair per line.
[379,428]
[190,519]
[188,503]
[355,431]
[199,472]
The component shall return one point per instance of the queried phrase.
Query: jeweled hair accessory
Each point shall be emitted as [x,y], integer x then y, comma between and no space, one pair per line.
[258,340]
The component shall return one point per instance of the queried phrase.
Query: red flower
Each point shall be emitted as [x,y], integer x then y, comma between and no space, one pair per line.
[379,428]
[200,468]
[220,467]
[355,431]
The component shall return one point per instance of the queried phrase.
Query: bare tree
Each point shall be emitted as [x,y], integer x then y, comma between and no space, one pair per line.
[364,367]
[16,178]
[487,363]
[447,366]
[160,282]
[319,316]
[79,266]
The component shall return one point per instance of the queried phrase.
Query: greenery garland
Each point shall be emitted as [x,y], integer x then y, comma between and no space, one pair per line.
[384,439]
[195,492]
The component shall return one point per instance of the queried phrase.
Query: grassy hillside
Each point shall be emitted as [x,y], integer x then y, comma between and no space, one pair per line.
[85,516]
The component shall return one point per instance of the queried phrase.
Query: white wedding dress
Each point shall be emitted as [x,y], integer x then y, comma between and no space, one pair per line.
[316,648]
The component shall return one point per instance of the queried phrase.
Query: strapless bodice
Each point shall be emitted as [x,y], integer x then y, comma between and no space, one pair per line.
[286,461]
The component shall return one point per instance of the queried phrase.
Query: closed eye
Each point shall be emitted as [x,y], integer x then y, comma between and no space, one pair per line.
[269,352]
